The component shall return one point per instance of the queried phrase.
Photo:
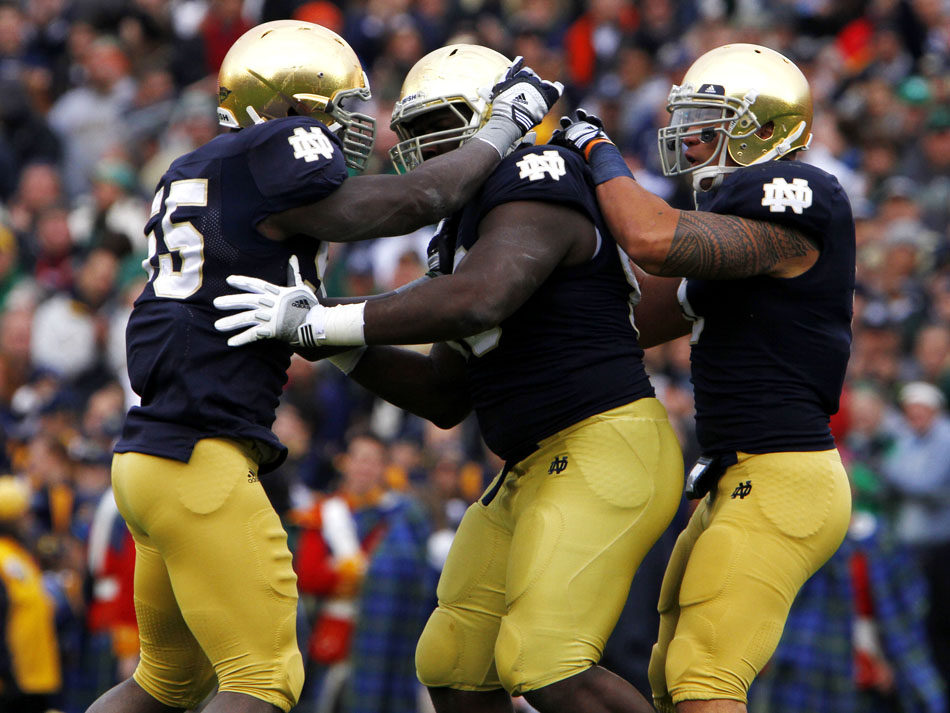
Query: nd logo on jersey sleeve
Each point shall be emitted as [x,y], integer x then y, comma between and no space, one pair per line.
[310,144]
[544,173]
[535,166]
[788,192]
[781,195]
[298,161]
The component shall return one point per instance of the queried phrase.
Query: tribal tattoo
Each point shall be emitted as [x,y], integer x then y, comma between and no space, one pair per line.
[726,247]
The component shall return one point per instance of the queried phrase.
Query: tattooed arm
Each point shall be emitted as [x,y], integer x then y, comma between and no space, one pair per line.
[679,243]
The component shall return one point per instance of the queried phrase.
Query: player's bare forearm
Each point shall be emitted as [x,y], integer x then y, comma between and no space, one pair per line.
[430,386]
[678,243]
[376,206]
[726,247]
[641,222]
[442,309]
[333,301]
[519,245]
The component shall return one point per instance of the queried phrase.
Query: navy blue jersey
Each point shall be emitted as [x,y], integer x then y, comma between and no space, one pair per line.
[769,354]
[570,351]
[203,228]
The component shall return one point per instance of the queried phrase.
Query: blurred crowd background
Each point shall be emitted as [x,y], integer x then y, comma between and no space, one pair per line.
[98,96]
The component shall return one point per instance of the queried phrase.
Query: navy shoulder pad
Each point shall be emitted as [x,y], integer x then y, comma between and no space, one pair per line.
[539,173]
[294,160]
[788,192]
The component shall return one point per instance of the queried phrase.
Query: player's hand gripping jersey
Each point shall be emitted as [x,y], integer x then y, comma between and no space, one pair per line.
[202,229]
[571,350]
[769,354]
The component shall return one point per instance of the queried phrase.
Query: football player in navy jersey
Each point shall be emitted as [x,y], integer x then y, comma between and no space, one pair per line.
[215,592]
[530,303]
[768,259]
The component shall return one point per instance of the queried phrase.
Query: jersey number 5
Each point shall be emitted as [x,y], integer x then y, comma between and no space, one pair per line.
[181,238]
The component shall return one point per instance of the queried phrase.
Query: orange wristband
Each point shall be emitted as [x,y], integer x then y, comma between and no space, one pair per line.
[590,146]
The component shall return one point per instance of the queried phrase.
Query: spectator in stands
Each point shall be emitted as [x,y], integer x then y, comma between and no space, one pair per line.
[334,542]
[24,133]
[30,676]
[928,162]
[221,26]
[88,119]
[49,471]
[876,352]
[396,598]
[919,470]
[930,359]
[869,438]
[193,123]
[110,616]
[111,209]
[39,188]
[592,40]
[69,329]
[55,250]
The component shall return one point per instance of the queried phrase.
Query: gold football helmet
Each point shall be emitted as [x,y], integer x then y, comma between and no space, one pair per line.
[732,94]
[447,78]
[289,67]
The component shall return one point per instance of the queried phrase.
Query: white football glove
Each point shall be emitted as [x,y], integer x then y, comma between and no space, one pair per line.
[578,134]
[271,312]
[522,96]
[519,101]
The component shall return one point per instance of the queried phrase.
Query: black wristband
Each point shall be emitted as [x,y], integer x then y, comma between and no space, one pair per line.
[606,163]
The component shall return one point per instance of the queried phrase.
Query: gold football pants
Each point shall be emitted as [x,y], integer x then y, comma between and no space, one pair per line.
[215,592]
[536,578]
[773,520]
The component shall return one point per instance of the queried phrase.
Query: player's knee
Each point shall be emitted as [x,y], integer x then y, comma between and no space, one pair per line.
[278,681]
[438,650]
[509,657]
[656,671]
[690,675]
[525,664]
[293,679]
[186,693]
[288,681]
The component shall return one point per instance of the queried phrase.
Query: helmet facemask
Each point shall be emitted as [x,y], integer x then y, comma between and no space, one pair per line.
[357,131]
[707,117]
[417,139]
